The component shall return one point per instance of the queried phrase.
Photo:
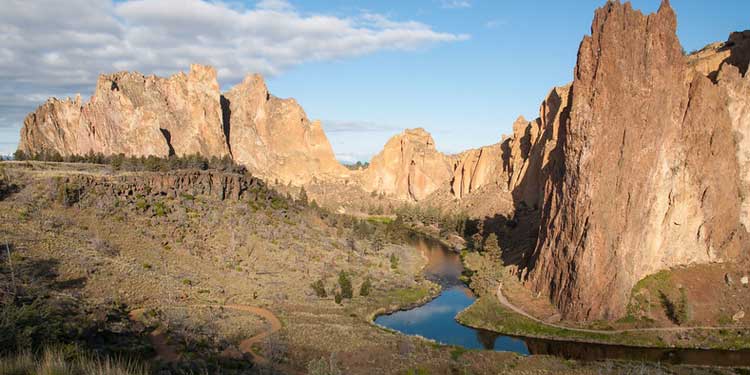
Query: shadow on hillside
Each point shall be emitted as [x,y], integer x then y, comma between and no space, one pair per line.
[39,309]
[520,236]
[7,189]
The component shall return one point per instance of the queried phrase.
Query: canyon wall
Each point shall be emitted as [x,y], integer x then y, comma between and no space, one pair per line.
[139,115]
[409,167]
[273,136]
[649,175]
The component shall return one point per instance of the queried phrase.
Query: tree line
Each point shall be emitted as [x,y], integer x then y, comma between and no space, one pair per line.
[149,163]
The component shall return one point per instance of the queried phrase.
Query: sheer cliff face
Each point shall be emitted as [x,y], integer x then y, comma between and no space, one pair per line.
[473,169]
[648,174]
[136,115]
[409,167]
[274,135]
[186,114]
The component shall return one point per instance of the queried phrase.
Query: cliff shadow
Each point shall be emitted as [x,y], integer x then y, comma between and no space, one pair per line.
[168,137]
[542,184]
[738,46]
[226,118]
[516,235]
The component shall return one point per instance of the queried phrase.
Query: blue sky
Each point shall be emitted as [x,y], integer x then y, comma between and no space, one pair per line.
[462,69]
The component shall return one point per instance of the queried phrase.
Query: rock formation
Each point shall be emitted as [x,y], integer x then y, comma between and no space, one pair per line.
[136,115]
[409,167]
[473,169]
[185,114]
[274,136]
[648,176]
[215,184]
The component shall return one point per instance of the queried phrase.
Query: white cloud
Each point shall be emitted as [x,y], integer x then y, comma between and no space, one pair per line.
[455,4]
[59,47]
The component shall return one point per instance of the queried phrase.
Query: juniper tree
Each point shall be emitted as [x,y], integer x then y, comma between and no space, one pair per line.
[493,250]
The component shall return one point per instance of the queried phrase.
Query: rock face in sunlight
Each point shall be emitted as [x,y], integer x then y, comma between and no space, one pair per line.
[274,137]
[649,173]
[476,168]
[136,115]
[409,167]
[186,114]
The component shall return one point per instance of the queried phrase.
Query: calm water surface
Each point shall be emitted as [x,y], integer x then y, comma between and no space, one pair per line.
[436,320]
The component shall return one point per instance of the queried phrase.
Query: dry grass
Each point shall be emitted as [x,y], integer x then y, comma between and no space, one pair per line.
[56,362]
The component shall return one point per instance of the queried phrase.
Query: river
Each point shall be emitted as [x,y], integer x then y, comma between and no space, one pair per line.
[436,320]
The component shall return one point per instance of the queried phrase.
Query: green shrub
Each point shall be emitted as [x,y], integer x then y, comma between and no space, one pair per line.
[364,289]
[68,194]
[319,288]
[160,209]
[141,204]
[394,262]
[337,297]
[676,311]
[346,285]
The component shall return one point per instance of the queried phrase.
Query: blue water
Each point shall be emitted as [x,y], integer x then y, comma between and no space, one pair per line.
[436,320]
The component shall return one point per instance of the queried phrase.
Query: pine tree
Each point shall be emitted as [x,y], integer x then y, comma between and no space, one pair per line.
[303,196]
[364,289]
[346,285]
[492,249]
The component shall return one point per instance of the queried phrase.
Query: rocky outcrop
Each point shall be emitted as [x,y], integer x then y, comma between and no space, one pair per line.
[173,184]
[409,167]
[476,168]
[735,51]
[139,115]
[646,176]
[136,115]
[737,88]
[273,136]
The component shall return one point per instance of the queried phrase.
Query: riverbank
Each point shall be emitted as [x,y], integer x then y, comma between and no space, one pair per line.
[489,313]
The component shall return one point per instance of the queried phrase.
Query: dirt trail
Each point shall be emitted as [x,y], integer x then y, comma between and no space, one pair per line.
[169,353]
[246,345]
[158,338]
[504,301]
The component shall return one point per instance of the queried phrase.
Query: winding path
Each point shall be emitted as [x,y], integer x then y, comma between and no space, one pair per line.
[168,353]
[504,301]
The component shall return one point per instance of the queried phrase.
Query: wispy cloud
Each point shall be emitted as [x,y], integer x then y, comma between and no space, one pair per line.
[355,141]
[493,24]
[59,47]
[455,4]
[334,126]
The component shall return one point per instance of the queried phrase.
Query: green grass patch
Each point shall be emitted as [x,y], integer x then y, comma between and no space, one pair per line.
[457,352]
[488,313]
[380,219]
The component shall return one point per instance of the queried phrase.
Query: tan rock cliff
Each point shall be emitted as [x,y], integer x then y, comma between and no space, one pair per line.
[274,138]
[409,167]
[648,177]
[186,114]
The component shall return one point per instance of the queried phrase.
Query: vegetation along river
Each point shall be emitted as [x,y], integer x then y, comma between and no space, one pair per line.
[436,320]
